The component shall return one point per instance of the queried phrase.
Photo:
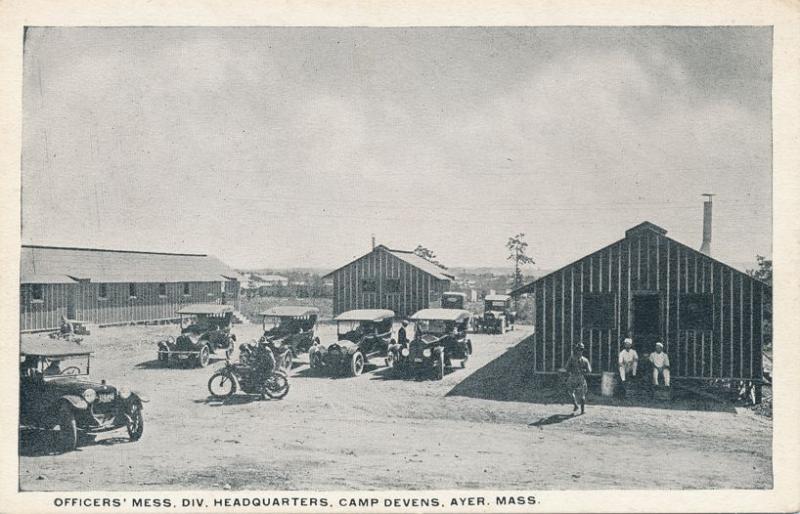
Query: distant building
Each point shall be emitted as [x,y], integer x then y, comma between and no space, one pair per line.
[269,280]
[389,279]
[115,286]
[647,286]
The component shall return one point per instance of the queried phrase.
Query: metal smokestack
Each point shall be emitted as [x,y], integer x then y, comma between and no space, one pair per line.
[373,241]
[707,205]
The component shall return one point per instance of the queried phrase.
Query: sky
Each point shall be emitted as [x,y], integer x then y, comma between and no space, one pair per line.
[291,147]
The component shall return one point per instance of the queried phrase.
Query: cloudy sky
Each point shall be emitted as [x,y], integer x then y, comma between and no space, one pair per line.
[291,146]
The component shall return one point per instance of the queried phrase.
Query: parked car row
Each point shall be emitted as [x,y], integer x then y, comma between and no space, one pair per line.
[56,391]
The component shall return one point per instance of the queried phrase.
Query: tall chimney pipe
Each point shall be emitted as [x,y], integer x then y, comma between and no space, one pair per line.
[373,241]
[707,205]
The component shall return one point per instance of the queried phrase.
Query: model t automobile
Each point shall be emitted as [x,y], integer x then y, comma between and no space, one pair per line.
[497,315]
[440,336]
[290,327]
[362,335]
[205,331]
[453,300]
[56,393]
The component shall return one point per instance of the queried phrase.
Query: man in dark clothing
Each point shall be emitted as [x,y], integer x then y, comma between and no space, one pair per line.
[577,367]
[402,337]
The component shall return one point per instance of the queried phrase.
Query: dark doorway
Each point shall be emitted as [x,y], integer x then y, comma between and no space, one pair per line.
[646,321]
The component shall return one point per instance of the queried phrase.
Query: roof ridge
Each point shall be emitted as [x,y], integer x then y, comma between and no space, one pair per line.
[74,248]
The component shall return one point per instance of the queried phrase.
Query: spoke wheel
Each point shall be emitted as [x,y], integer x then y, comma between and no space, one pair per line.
[276,386]
[440,367]
[221,385]
[135,424]
[204,357]
[356,364]
[67,429]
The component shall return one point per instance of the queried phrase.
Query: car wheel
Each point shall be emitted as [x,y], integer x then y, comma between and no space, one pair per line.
[221,385]
[276,386]
[356,364]
[67,429]
[391,359]
[288,361]
[439,367]
[204,357]
[502,326]
[135,424]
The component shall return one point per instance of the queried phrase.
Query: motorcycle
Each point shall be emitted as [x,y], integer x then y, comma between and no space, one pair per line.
[250,376]
[283,354]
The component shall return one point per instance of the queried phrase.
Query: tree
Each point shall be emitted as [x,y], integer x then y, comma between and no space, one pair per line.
[428,255]
[518,248]
[764,271]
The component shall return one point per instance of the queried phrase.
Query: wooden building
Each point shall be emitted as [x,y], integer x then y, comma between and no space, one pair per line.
[647,286]
[112,287]
[389,279]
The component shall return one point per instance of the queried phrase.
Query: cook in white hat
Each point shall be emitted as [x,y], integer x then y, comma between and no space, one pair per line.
[628,360]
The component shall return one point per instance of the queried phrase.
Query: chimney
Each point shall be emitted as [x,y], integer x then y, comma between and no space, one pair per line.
[373,241]
[706,246]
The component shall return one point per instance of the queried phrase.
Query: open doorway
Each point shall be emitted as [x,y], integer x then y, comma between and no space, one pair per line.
[646,321]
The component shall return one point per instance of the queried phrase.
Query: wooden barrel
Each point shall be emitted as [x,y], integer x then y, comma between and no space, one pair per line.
[608,383]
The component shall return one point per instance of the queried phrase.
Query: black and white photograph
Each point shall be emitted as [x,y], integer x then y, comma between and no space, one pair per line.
[397,259]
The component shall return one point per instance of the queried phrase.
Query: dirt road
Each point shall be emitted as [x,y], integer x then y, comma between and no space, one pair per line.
[474,429]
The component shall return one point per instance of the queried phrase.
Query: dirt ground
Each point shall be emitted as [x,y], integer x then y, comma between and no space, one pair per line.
[485,426]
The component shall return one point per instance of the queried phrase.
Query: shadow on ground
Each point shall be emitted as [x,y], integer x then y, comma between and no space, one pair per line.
[510,378]
[40,443]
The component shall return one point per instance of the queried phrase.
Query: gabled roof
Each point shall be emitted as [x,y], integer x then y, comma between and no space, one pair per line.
[644,226]
[51,264]
[411,258]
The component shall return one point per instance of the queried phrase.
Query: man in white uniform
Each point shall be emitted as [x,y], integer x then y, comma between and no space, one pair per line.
[660,361]
[628,360]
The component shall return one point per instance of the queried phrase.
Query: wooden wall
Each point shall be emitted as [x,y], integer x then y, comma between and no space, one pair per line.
[82,301]
[649,263]
[415,285]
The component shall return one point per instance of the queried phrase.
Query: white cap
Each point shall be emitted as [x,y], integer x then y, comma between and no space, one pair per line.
[628,340]
[659,344]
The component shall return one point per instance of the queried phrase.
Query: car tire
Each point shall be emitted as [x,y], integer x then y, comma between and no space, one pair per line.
[439,366]
[135,424]
[67,429]
[502,326]
[391,359]
[204,357]
[278,386]
[356,364]
[288,361]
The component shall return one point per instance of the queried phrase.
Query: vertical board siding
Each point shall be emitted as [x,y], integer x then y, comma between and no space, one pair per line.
[652,263]
[414,294]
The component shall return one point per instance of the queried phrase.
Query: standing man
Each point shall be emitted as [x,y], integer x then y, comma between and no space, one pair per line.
[660,361]
[628,360]
[402,337]
[577,367]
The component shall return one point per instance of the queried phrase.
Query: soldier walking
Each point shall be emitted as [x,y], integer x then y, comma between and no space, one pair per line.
[577,367]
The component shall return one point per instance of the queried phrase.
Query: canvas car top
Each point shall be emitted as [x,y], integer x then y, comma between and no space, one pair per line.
[205,308]
[51,348]
[497,297]
[441,314]
[365,315]
[454,293]
[290,311]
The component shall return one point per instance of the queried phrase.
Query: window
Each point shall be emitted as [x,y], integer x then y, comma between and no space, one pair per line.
[102,293]
[598,310]
[131,290]
[392,285]
[697,311]
[37,293]
[186,291]
[162,289]
[369,285]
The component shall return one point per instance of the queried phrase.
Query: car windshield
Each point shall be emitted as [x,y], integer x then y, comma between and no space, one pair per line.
[59,365]
[356,327]
[283,323]
[432,326]
[496,305]
[202,322]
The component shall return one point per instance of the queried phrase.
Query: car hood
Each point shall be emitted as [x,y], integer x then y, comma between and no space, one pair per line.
[344,344]
[77,385]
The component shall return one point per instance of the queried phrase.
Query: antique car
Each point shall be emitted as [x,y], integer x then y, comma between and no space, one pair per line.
[440,335]
[453,300]
[497,315]
[362,335]
[292,327]
[205,331]
[56,393]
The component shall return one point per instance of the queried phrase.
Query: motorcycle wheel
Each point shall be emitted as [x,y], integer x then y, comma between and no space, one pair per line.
[276,386]
[221,385]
